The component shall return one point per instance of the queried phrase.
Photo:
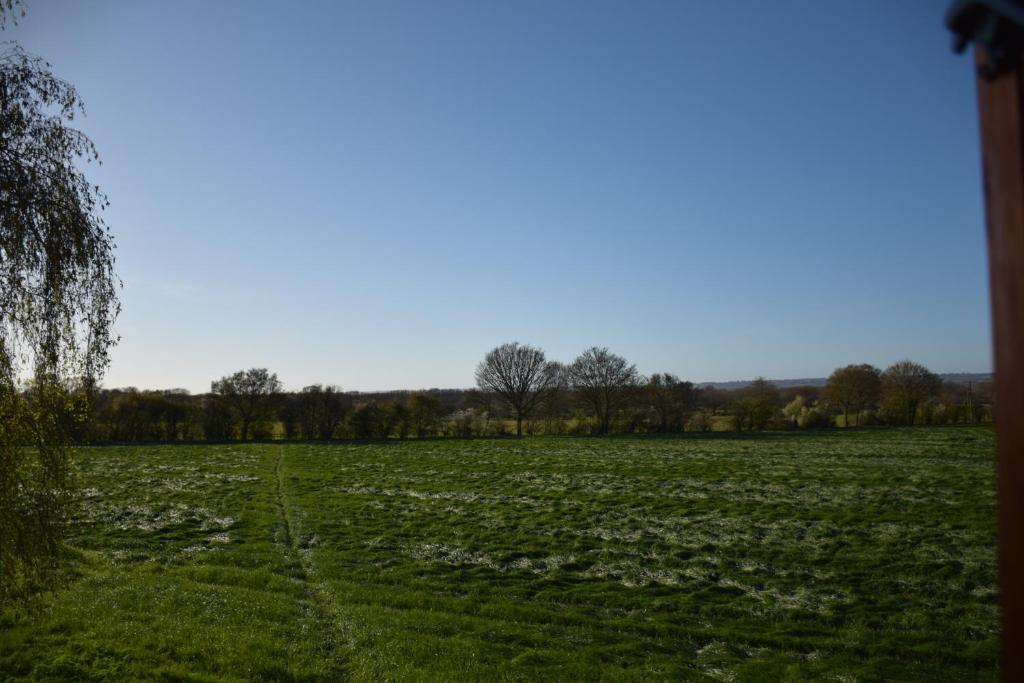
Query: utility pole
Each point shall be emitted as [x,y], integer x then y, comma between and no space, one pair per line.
[970,402]
[996,28]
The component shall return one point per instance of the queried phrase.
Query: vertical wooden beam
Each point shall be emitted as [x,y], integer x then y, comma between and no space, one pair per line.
[1001,111]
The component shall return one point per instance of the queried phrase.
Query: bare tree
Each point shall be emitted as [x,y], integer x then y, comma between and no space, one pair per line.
[249,393]
[714,399]
[605,382]
[521,375]
[853,388]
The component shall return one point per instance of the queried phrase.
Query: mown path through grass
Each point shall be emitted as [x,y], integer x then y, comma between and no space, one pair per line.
[286,524]
[319,605]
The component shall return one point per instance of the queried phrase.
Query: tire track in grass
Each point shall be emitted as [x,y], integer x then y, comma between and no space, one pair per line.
[281,507]
[320,605]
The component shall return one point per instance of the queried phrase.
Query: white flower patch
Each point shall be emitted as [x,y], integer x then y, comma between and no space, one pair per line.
[450,554]
[802,598]
[631,574]
[147,518]
[590,483]
[195,481]
[540,566]
[715,648]
[245,478]
[462,496]
[212,521]
[720,674]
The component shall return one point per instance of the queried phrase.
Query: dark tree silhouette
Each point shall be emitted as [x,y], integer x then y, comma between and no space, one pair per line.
[319,410]
[249,393]
[372,420]
[671,399]
[521,375]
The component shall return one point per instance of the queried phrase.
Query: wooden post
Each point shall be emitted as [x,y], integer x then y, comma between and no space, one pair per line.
[1001,112]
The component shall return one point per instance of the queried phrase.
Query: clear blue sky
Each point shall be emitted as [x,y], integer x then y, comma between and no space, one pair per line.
[374,194]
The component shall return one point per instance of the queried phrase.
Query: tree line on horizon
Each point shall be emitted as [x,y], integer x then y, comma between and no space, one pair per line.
[520,392]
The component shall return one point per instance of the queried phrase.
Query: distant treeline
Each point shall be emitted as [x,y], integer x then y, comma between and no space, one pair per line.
[520,392]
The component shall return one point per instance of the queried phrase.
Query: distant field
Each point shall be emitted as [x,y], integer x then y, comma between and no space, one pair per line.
[867,555]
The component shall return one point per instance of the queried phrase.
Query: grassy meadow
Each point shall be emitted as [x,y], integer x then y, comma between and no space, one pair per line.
[848,556]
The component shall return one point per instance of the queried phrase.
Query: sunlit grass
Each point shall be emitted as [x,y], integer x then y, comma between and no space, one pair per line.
[867,555]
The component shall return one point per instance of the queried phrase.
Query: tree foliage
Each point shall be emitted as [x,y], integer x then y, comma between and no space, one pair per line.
[423,413]
[58,299]
[11,10]
[756,405]
[905,387]
[249,393]
[319,411]
[372,420]
[853,388]
[313,413]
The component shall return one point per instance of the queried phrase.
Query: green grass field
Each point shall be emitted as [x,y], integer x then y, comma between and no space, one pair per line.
[867,555]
